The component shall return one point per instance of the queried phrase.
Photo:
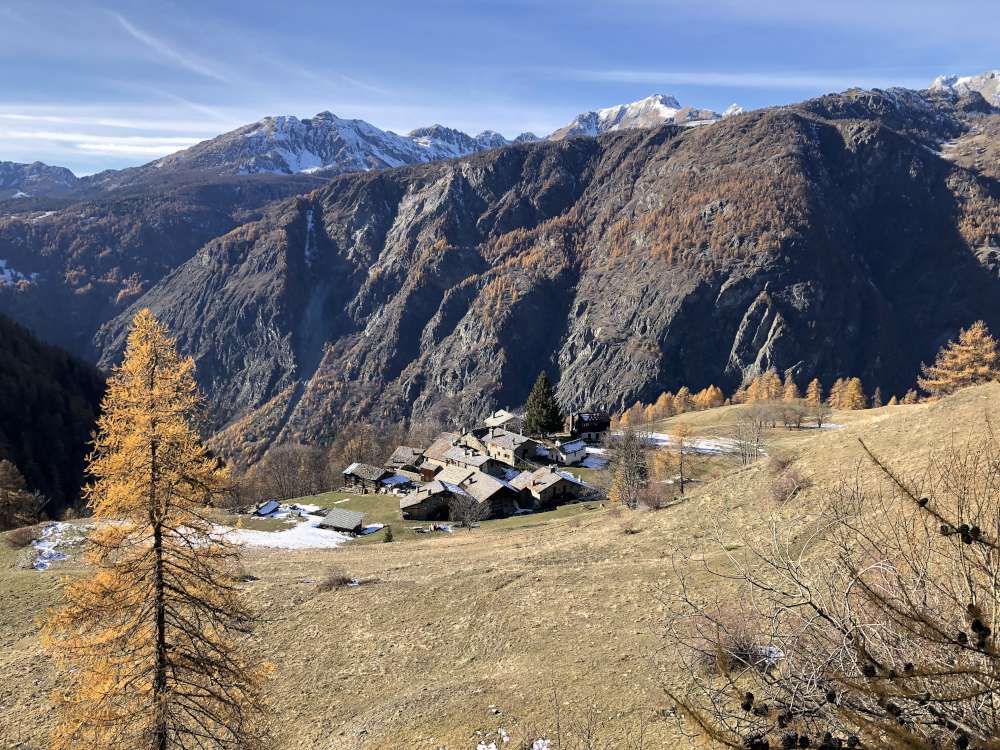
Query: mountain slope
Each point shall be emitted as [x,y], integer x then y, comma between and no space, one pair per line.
[826,239]
[34,180]
[64,272]
[49,403]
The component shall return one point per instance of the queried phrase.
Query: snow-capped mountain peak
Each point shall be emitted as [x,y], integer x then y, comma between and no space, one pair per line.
[650,112]
[325,143]
[987,84]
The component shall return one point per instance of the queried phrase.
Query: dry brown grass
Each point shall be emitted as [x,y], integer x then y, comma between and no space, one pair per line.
[454,624]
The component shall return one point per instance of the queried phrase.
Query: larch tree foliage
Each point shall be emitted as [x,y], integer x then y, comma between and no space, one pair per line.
[542,414]
[969,361]
[814,393]
[152,640]
[18,507]
[854,395]
[791,392]
[836,397]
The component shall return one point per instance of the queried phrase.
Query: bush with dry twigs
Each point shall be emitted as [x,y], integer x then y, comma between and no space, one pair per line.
[22,537]
[335,578]
[880,622]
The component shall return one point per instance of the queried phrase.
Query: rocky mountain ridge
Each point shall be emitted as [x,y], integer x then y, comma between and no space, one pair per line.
[986,84]
[35,179]
[324,145]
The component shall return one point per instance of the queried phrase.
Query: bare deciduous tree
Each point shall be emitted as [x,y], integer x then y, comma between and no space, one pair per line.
[629,470]
[467,510]
[750,435]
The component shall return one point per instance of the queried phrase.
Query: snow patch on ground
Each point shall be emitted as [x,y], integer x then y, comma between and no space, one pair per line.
[711,446]
[304,535]
[51,546]
[596,458]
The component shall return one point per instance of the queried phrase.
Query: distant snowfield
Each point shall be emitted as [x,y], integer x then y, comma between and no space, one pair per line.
[712,446]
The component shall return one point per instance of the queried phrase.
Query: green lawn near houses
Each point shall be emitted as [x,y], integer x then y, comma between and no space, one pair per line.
[384,509]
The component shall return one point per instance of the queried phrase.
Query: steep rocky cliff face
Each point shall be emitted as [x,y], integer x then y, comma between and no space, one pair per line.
[68,266]
[827,239]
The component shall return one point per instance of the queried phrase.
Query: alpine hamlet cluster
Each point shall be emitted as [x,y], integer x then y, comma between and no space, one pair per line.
[509,464]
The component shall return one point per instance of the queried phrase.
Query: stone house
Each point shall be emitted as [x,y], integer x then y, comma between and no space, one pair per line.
[406,462]
[569,452]
[588,425]
[500,497]
[462,455]
[347,521]
[432,502]
[505,419]
[503,445]
[442,444]
[549,487]
[364,477]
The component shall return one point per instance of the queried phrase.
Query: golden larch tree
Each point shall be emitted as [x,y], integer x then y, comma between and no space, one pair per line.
[854,395]
[682,401]
[664,405]
[836,397]
[814,393]
[791,392]
[773,387]
[709,397]
[152,640]
[969,361]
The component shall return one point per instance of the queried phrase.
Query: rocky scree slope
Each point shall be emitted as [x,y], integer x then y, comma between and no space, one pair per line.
[825,239]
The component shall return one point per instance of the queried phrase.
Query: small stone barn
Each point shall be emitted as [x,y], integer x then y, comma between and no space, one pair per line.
[346,521]
[431,502]
[364,477]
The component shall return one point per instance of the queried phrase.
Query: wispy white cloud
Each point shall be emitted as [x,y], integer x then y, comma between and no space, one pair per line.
[212,112]
[132,145]
[180,57]
[118,123]
[804,80]
[323,77]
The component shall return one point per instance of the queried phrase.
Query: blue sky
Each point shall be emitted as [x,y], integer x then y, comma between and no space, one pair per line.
[95,86]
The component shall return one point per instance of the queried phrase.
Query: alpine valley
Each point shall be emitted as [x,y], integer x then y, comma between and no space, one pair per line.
[321,269]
